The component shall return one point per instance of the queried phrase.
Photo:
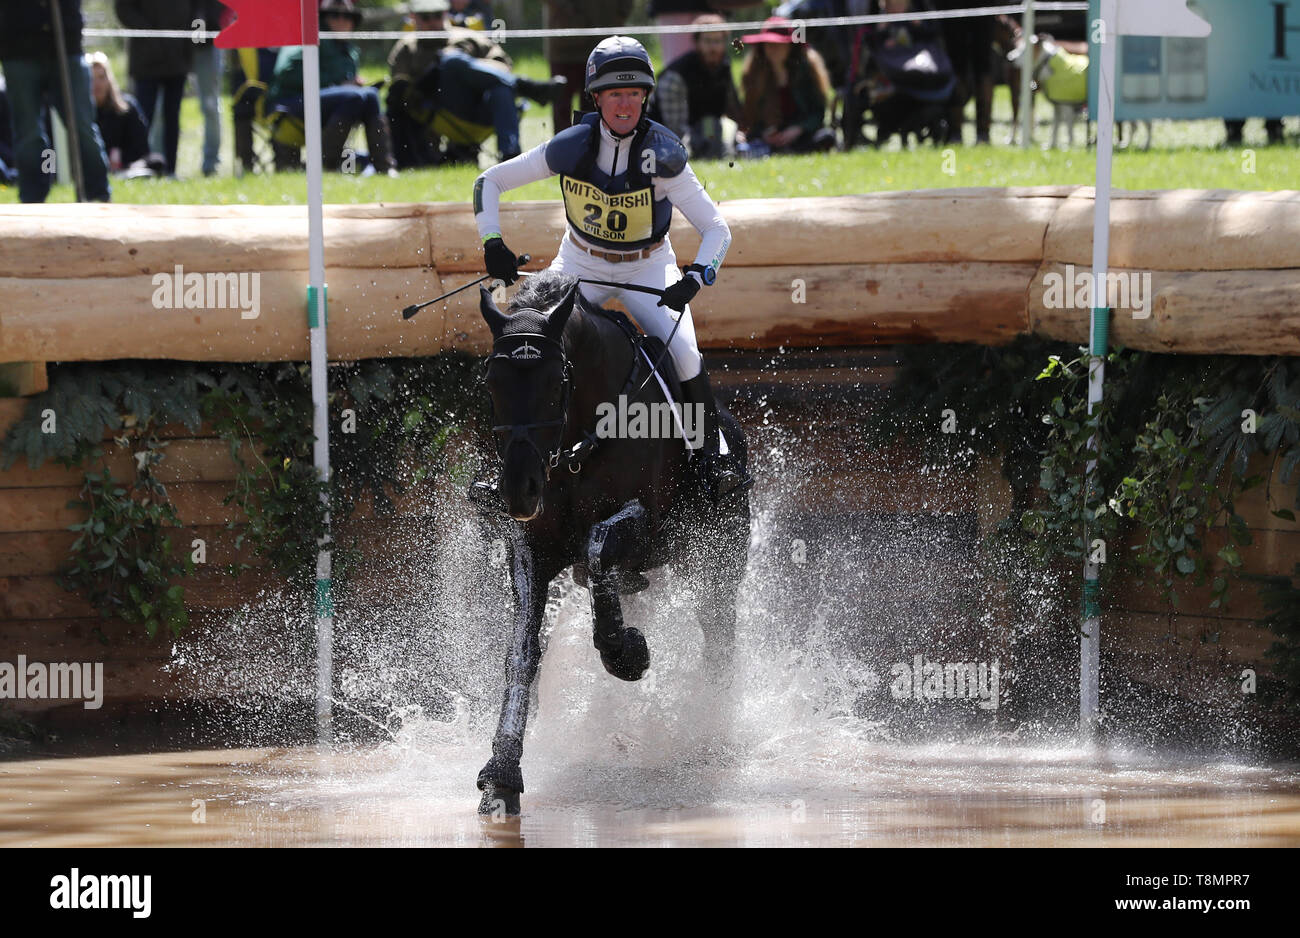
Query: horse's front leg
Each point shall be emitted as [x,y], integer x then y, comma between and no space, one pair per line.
[502,780]
[612,544]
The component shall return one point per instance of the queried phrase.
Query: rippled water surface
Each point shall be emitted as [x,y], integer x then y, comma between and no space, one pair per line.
[807,746]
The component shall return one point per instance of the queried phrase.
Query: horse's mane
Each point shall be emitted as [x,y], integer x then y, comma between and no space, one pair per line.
[542,292]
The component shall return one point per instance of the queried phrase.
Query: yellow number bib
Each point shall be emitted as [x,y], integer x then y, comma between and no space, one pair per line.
[625,218]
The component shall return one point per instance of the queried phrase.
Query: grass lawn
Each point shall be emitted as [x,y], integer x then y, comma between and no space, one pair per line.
[1183,155]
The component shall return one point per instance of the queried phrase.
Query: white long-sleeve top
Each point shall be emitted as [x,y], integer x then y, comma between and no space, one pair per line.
[684,191]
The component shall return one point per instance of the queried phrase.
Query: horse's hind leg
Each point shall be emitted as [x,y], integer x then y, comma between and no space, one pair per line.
[617,541]
[502,780]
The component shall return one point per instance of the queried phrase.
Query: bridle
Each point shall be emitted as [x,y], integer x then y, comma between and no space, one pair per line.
[518,349]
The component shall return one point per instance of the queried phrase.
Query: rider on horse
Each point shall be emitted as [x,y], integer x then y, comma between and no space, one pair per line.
[620,176]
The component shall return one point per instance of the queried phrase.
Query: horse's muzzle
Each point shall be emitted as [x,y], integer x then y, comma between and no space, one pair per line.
[523,494]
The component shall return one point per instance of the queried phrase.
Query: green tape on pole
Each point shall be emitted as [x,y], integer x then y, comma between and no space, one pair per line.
[311,305]
[324,599]
[1100,330]
[1091,599]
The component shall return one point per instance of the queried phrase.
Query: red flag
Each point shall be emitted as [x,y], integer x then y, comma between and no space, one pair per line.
[260,23]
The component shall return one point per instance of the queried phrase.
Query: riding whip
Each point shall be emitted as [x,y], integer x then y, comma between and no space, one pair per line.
[412,310]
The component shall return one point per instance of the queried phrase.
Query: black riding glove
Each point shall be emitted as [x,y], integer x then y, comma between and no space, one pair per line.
[680,293]
[501,261]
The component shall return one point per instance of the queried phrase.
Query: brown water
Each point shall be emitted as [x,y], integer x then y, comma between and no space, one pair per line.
[388,795]
[807,747]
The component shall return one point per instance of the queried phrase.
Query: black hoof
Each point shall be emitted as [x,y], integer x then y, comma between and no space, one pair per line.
[632,662]
[498,802]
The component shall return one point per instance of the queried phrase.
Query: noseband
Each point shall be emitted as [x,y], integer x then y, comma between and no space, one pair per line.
[528,349]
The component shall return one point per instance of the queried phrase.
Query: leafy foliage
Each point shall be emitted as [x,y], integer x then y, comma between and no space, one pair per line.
[1176,436]
[1281,596]
[122,558]
[393,420]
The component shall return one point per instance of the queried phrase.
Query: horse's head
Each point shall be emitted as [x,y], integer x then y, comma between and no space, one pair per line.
[529,378]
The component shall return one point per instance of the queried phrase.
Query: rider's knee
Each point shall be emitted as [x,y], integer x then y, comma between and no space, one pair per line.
[688,363]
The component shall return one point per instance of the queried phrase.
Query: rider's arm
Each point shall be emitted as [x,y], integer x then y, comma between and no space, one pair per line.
[687,193]
[523,169]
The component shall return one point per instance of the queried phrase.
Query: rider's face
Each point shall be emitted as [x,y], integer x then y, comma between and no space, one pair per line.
[620,108]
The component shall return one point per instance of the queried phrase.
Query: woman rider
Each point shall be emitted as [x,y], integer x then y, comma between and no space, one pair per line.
[620,176]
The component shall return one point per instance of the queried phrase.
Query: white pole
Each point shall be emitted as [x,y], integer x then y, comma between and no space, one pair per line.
[1027,77]
[317,306]
[1090,637]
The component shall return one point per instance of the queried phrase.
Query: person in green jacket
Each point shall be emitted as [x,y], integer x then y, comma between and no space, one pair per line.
[344,100]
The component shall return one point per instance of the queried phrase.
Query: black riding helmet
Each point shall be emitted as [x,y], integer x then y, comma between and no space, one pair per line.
[619,62]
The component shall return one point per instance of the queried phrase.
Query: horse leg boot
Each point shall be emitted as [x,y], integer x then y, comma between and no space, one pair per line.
[612,543]
[722,476]
[502,780]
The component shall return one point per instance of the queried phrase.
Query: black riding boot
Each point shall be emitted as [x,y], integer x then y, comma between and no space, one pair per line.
[722,475]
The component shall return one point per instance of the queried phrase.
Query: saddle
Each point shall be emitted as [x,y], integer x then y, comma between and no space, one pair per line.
[651,350]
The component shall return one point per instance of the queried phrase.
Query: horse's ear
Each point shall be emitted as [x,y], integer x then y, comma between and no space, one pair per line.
[495,319]
[560,315]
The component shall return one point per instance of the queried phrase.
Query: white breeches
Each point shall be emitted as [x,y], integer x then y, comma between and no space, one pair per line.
[659,270]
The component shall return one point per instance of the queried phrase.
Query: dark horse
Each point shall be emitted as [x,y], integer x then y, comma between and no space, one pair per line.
[609,507]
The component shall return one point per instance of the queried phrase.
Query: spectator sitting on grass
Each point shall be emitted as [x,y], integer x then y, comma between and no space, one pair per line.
[696,91]
[786,91]
[344,100]
[123,127]
[461,88]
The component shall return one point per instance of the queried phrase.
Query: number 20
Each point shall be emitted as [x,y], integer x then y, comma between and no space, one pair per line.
[617,220]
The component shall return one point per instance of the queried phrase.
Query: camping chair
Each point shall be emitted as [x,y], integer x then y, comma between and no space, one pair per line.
[282,133]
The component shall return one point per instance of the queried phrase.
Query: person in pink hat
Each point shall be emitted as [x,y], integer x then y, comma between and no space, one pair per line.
[786,89]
